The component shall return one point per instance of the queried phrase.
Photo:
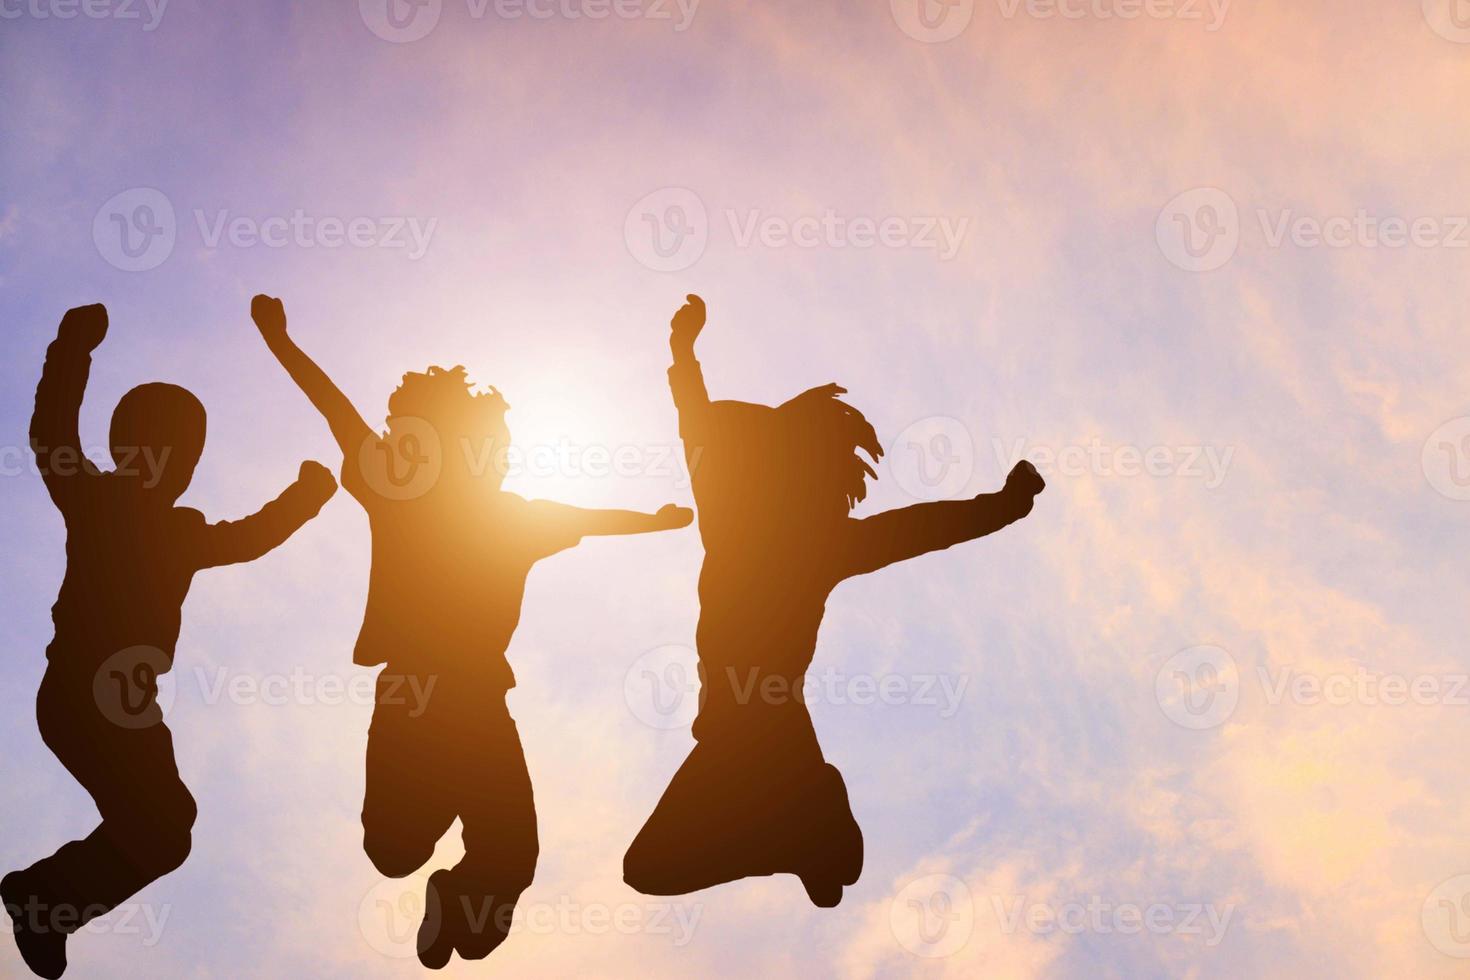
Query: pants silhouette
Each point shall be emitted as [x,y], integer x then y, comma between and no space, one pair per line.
[458,754]
[147,812]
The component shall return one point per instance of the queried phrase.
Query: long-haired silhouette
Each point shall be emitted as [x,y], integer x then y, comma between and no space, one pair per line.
[130,556]
[450,555]
[774,488]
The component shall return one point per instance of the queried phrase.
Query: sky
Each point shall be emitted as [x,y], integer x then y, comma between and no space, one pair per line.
[1198,716]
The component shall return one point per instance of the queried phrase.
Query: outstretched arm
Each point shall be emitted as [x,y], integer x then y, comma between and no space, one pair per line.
[685,377]
[908,532]
[232,542]
[347,425]
[54,436]
[580,522]
[556,527]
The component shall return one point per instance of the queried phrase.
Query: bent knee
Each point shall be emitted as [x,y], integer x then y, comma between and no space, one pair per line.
[392,856]
[644,873]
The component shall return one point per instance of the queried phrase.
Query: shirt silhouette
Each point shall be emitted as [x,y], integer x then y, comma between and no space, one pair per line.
[450,556]
[130,557]
[774,488]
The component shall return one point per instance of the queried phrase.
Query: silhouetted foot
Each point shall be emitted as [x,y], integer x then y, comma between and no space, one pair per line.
[436,936]
[824,892]
[460,917]
[43,948]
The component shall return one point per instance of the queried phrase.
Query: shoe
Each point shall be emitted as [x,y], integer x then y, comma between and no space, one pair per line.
[44,948]
[436,939]
[824,892]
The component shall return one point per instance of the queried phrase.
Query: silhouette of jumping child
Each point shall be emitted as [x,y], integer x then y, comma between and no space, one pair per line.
[130,556]
[774,488]
[450,556]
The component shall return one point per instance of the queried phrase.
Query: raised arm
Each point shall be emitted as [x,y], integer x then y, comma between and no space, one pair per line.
[347,425]
[232,542]
[908,532]
[686,380]
[54,435]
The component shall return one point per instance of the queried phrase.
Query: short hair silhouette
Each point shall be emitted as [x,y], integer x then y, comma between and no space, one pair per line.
[166,425]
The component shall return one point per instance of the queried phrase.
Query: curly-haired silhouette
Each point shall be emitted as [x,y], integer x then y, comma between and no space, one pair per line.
[774,488]
[130,556]
[450,555]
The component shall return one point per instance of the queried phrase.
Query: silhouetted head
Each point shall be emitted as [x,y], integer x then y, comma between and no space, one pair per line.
[800,462]
[157,436]
[469,425]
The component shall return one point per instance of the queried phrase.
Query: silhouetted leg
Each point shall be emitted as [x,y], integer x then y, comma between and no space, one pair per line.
[477,897]
[147,818]
[757,801]
[408,799]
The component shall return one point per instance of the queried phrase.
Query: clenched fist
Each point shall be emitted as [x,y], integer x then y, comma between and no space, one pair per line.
[269,315]
[85,325]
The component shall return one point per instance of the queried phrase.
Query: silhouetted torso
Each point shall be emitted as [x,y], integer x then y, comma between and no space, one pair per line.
[447,581]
